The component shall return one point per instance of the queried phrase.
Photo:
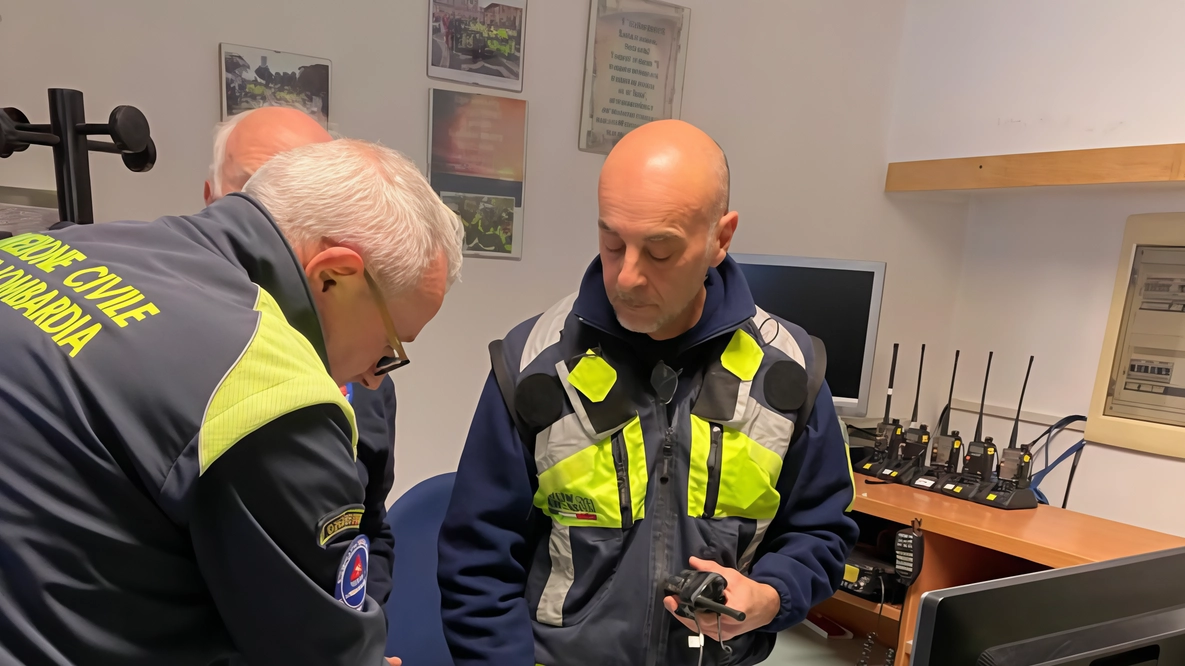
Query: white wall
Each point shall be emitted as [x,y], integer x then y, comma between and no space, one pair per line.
[798,93]
[1038,266]
[988,77]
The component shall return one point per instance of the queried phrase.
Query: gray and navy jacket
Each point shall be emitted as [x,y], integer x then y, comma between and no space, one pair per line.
[580,491]
[178,480]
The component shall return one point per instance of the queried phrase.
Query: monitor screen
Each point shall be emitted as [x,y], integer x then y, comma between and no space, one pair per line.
[834,300]
[958,625]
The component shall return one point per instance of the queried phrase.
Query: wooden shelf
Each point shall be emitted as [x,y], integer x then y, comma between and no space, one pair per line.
[1046,535]
[1130,164]
[890,612]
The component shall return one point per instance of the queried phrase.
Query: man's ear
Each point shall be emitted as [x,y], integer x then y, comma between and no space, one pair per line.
[725,229]
[326,268]
[208,195]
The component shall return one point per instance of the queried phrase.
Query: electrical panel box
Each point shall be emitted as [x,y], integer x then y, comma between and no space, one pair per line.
[1139,394]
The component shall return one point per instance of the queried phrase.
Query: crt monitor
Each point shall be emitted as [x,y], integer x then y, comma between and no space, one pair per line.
[835,300]
[1125,612]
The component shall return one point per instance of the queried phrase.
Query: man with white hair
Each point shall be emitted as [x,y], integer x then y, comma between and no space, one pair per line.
[177,473]
[243,143]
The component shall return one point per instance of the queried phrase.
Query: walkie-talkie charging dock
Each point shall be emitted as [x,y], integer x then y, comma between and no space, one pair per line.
[1012,488]
[945,449]
[907,453]
[889,432]
[979,459]
[945,453]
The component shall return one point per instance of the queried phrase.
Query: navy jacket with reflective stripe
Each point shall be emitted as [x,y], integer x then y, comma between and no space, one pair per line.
[127,536]
[493,535]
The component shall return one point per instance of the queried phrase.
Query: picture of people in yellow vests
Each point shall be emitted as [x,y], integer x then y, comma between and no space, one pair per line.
[484,39]
[488,221]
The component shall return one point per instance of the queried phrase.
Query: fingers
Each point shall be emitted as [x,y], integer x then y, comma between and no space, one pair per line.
[395,661]
[707,621]
[687,623]
[706,565]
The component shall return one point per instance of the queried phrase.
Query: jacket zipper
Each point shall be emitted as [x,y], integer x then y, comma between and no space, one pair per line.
[621,461]
[715,452]
[663,518]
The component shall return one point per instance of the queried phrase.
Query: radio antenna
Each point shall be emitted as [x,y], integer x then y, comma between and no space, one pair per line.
[913,420]
[892,373]
[1016,421]
[982,400]
[950,397]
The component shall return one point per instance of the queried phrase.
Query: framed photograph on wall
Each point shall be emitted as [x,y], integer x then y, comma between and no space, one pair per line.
[477,41]
[634,66]
[254,77]
[477,163]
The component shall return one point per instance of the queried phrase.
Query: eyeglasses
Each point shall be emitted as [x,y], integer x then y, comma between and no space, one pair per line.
[399,358]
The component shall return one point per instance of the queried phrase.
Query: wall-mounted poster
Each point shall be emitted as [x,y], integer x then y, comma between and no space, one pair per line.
[254,77]
[633,72]
[477,41]
[477,160]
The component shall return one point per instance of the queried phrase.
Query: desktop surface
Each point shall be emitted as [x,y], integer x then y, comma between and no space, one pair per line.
[1046,535]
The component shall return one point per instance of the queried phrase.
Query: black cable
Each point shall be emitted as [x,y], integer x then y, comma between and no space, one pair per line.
[700,632]
[870,641]
[1070,481]
[866,431]
[720,637]
[761,330]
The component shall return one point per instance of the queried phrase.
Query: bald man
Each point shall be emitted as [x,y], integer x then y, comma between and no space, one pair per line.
[655,422]
[242,144]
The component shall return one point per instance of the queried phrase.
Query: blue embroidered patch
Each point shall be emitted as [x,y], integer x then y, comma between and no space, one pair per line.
[351,575]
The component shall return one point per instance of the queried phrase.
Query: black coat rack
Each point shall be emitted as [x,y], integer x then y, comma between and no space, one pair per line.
[67,134]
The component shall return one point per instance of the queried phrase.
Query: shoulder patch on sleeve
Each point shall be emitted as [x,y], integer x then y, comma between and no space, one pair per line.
[351,574]
[278,373]
[339,522]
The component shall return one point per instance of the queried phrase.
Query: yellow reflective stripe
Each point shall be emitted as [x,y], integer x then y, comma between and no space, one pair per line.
[847,454]
[748,475]
[581,490]
[593,376]
[743,356]
[697,474]
[278,373]
[635,446]
[748,478]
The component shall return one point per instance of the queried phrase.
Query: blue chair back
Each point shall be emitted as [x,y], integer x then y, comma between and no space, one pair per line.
[414,631]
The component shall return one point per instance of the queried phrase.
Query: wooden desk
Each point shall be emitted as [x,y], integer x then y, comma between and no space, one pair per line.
[969,543]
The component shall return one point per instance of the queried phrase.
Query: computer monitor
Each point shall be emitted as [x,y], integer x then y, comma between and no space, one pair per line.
[835,300]
[1125,612]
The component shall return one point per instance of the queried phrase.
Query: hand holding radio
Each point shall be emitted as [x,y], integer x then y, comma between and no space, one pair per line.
[754,604]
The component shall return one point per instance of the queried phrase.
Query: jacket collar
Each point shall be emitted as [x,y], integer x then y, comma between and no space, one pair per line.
[727,306]
[241,230]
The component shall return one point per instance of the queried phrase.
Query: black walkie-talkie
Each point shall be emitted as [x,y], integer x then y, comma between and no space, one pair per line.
[700,591]
[947,447]
[979,455]
[1011,488]
[906,457]
[889,433]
